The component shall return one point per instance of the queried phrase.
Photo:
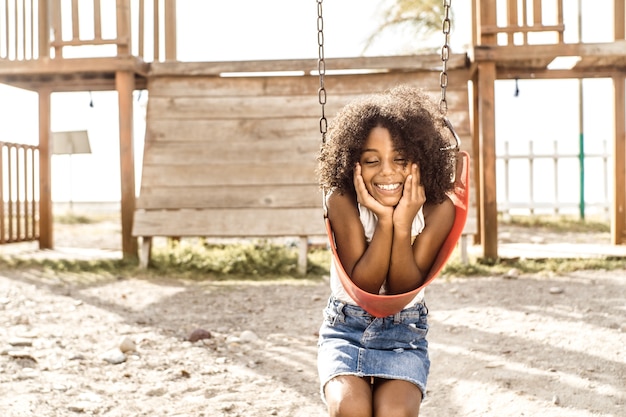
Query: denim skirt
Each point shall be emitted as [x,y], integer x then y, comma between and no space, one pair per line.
[353,342]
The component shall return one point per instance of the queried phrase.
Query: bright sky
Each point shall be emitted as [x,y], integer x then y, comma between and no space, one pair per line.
[287,29]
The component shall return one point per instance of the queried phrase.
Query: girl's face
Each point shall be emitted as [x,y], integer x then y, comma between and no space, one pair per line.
[383,168]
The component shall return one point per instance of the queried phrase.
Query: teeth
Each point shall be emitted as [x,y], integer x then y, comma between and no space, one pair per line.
[389,187]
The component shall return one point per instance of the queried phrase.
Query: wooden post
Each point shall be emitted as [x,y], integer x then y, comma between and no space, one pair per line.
[487,145]
[487,199]
[44,29]
[125,84]
[170,30]
[123,27]
[46,219]
[475,127]
[618,222]
[303,250]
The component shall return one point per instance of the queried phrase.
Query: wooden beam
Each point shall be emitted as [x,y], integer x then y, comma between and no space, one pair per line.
[72,66]
[514,52]
[510,30]
[46,220]
[487,142]
[511,73]
[618,223]
[400,63]
[125,84]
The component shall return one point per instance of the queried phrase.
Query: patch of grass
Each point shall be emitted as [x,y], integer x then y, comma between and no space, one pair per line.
[263,259]
[484,267]
[558,224]
[70,218]
[247,260]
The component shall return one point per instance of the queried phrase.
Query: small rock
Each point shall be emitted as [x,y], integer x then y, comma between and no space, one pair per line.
[512,273]
[127,345]
[248,336]
[21,342]
[20,354]
[199,334]
[556,400]
[114,356]
[77,357]
[59,387]
[156,392]
[77,408]
[556,290]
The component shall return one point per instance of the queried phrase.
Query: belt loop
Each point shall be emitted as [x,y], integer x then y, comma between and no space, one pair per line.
[396,317]
[340,314]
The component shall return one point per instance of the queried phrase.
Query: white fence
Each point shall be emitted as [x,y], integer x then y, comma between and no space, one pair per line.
[537,179]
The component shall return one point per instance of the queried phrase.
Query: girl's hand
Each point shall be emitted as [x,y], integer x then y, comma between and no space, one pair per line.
[413,198]
[365,199]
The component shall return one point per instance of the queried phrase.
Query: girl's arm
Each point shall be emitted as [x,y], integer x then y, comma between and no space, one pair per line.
[410,264]
[367,265]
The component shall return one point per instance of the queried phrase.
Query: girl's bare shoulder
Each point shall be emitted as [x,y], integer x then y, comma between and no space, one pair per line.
[441,213]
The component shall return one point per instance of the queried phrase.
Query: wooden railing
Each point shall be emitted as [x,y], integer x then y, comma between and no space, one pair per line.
[141,28]
[18,192]
[510,22]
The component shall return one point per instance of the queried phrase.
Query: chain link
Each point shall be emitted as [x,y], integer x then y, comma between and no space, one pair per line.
[445,55]
[321,69]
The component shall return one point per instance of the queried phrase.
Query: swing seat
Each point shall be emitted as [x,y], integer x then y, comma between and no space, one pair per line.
[385,305]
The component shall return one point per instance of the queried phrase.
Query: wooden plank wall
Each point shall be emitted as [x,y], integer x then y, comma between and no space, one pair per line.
[236,156]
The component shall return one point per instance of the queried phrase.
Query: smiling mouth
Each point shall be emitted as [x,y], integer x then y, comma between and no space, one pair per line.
[389,187]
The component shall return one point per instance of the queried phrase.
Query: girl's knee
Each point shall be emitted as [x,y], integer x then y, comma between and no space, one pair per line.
[348,396]
[395,398]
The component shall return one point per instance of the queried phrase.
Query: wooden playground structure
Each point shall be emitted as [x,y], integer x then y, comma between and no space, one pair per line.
[264,127]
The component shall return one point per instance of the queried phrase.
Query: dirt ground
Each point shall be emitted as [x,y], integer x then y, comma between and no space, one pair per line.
[544,345]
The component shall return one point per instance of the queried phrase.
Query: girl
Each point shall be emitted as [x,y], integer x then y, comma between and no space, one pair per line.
[388,168]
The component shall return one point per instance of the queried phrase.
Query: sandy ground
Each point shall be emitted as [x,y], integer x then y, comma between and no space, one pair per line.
[548,345]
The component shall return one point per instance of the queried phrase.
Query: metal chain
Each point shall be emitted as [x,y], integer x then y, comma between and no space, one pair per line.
[321,69]
[445,55]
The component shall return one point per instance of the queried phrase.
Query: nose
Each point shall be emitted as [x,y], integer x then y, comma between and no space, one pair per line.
[386,168]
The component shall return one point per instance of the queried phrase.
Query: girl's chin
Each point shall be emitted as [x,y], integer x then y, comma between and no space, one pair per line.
[388,202]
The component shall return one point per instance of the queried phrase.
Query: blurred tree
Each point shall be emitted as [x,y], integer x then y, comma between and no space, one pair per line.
[418,22]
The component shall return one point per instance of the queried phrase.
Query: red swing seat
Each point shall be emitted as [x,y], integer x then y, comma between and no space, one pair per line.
[384,305]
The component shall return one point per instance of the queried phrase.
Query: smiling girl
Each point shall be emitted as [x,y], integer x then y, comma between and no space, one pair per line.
[388,167]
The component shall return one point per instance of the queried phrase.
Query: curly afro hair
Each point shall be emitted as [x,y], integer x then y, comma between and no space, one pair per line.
[418,132]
